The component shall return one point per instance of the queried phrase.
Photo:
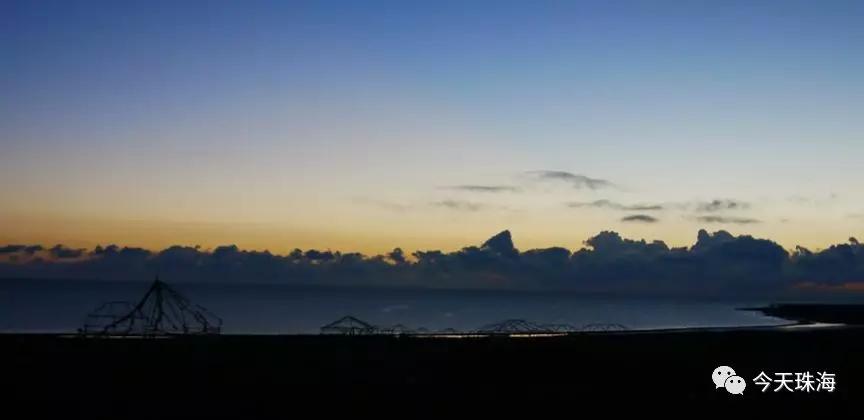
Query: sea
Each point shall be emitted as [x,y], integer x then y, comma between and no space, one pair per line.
[61,306]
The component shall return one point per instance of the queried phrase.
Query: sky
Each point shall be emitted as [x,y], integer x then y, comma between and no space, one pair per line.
[363,126]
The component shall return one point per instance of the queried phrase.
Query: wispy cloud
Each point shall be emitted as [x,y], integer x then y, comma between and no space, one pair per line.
[721,205]
[459,205]
[575,180]
[727,220]
[484,188]
[607,204]
[640,218]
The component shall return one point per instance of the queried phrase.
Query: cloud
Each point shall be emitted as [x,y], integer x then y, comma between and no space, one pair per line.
[641,218]
[717,264]
[397,256]
[608,244]
[459,205]
[727,220]
[721,205]
[11,249]
[616,206]
[22,249]
[484,188]
[575,180]
[62,252]
[837,265]
[501,245]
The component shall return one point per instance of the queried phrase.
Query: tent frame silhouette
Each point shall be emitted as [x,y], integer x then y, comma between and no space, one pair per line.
[162,311]
[349,325]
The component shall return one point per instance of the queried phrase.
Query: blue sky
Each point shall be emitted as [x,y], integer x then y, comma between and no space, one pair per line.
[344,124]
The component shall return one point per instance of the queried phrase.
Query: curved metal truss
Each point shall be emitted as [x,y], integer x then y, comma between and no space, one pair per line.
[162,311]
[561,328]
[514,326]
[349,325]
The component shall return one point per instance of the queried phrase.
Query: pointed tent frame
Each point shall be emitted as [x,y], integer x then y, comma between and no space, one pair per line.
[162,311]
[349,325]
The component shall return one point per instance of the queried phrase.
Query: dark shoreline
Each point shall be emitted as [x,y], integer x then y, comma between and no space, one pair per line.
[806,313]
[50,370]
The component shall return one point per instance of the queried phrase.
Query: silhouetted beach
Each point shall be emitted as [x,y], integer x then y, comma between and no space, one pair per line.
[244,375]
[847,314]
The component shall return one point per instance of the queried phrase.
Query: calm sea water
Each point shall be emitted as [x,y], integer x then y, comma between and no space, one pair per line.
[61,306]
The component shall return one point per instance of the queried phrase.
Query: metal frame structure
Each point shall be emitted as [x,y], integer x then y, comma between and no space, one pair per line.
[561,328]
[349,325]
[514,326]
[162,311]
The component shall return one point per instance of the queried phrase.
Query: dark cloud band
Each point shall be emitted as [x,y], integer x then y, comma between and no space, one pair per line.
[607,204]
[721,205]
[720,261]
[575,180]
[640,218]
[484,188]
[459,205]
[727,220]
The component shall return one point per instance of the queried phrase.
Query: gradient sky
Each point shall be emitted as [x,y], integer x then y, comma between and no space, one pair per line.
[347,125]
